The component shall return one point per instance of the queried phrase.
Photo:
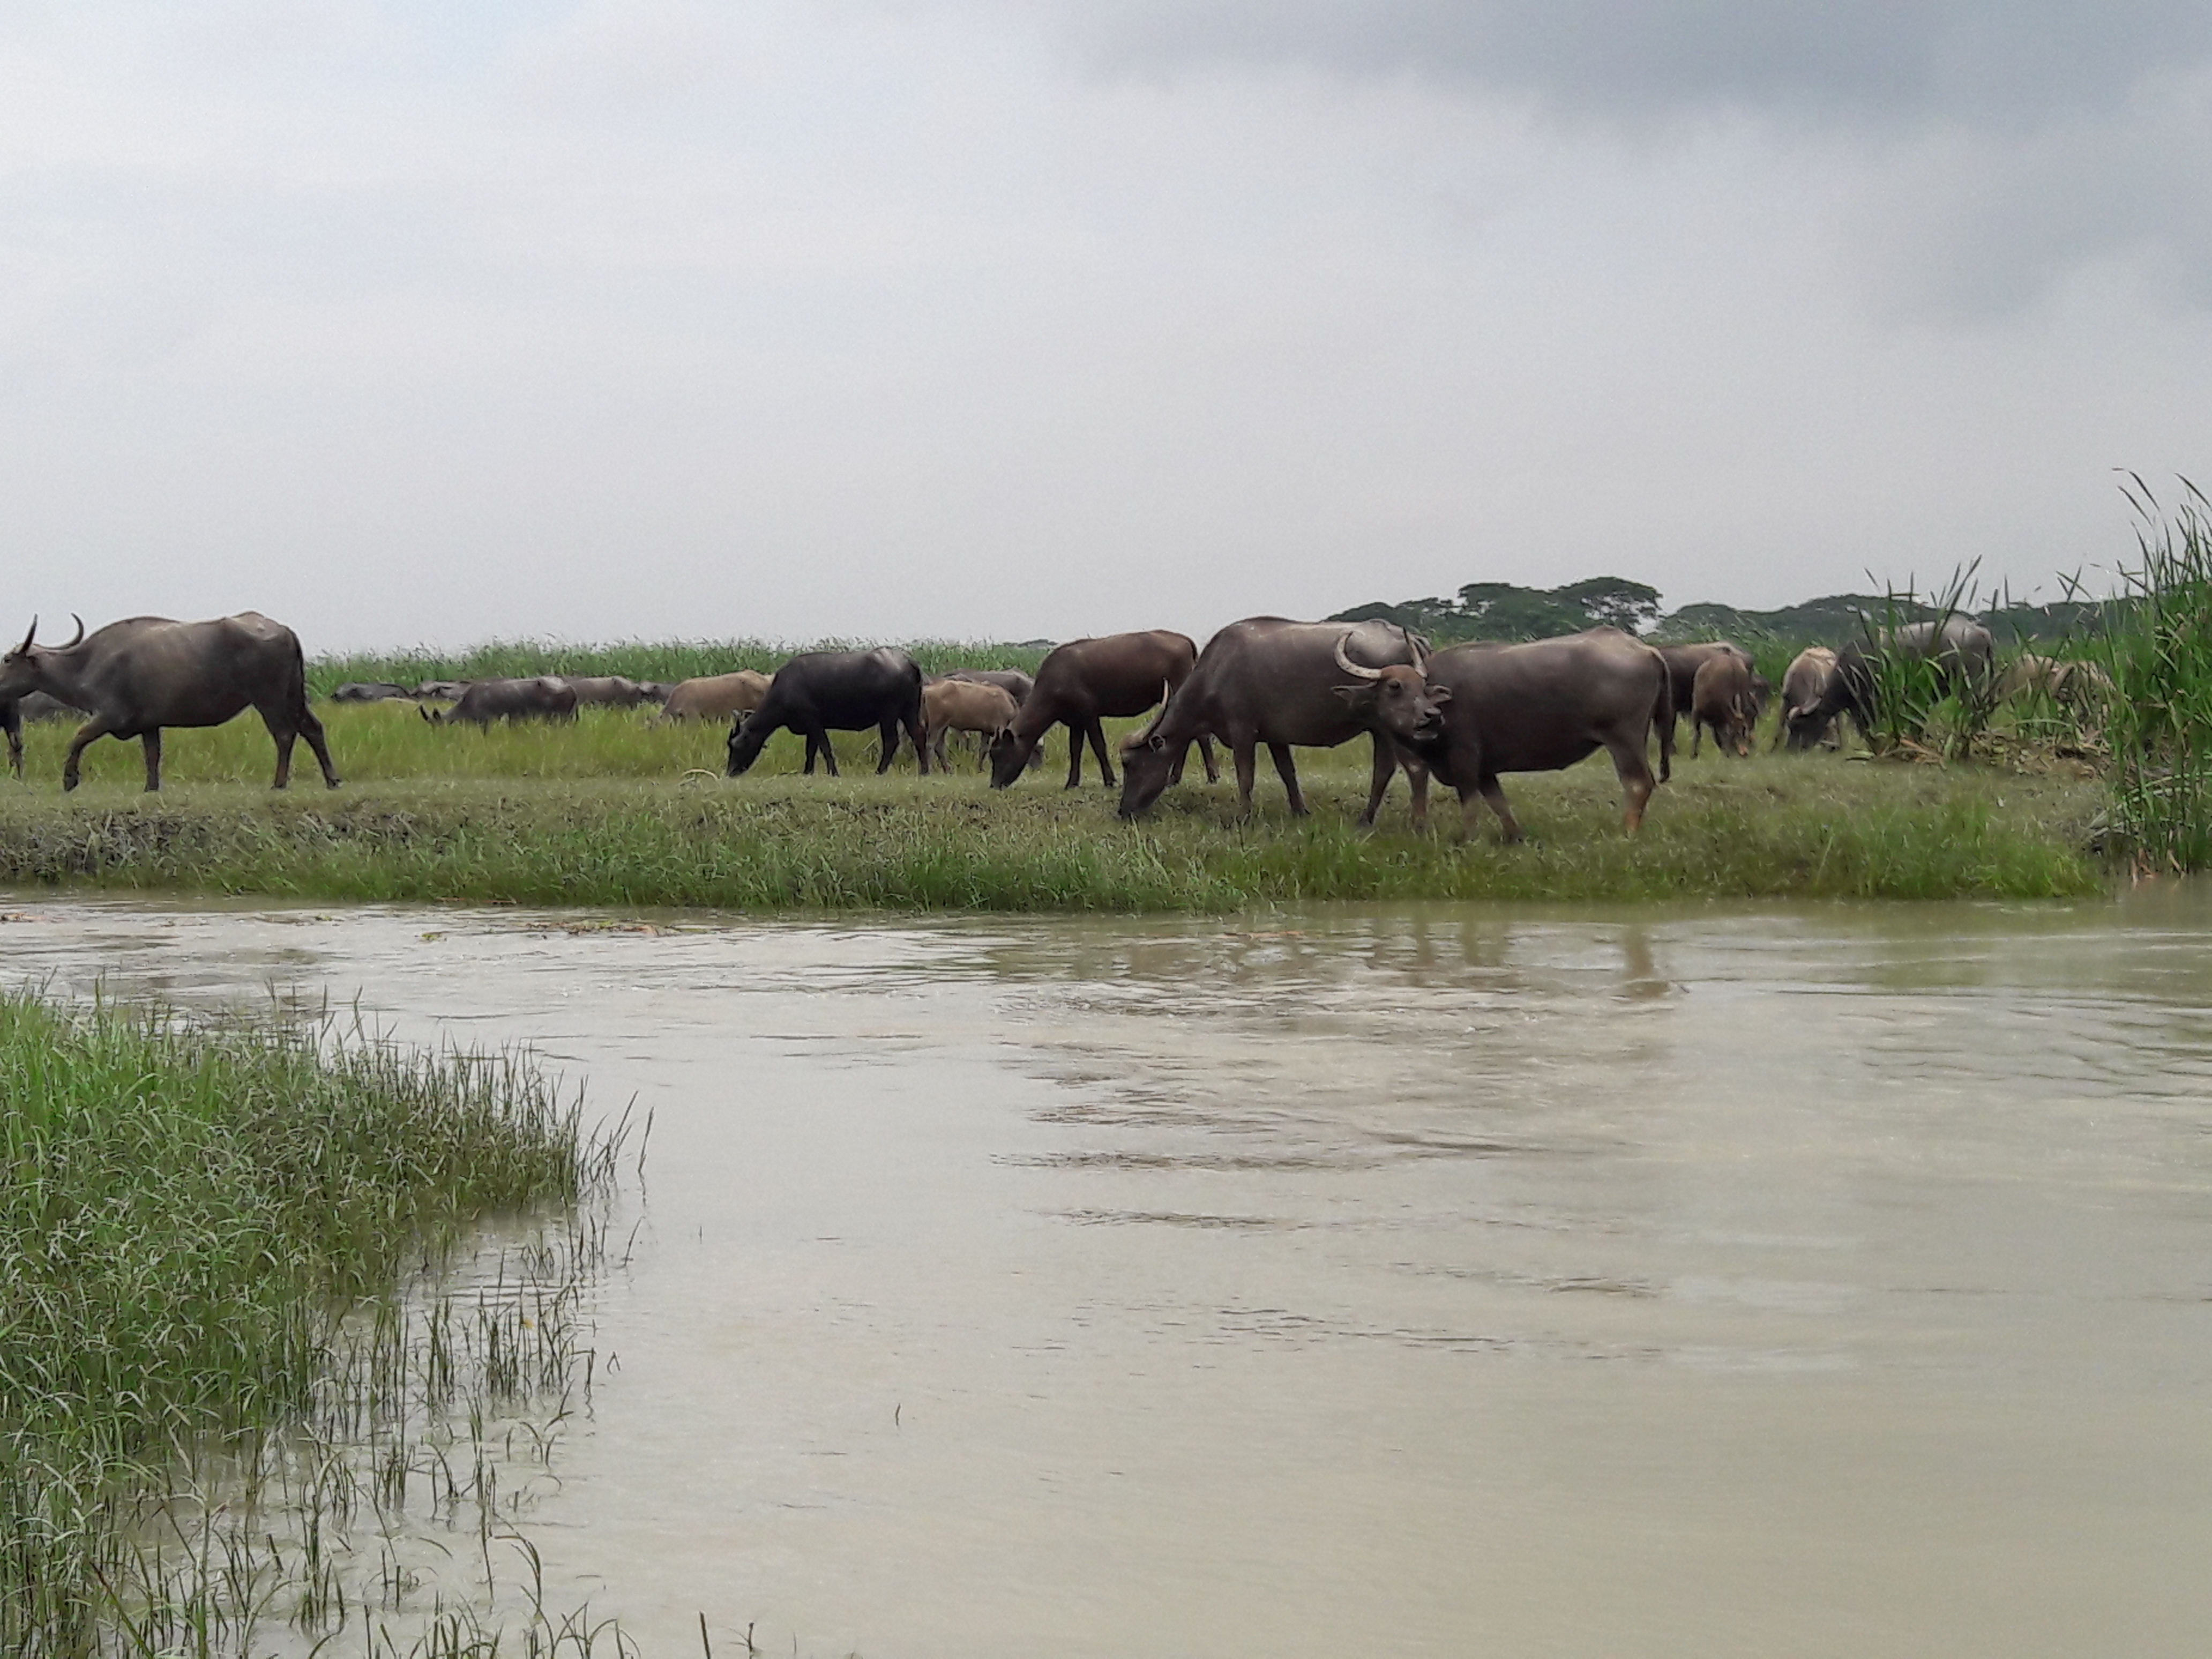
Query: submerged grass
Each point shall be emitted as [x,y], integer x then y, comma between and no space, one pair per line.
[189,1215]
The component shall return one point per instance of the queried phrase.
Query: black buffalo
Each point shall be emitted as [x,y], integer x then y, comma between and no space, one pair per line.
[819,692]
[547,697]
[134,678]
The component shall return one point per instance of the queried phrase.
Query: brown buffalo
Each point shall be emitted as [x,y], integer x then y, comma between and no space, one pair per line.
[134,678]
[1087,681]
[1542,707]
[715,697]
[1269,680]
[1721,697]
[1683,662]
[949,705]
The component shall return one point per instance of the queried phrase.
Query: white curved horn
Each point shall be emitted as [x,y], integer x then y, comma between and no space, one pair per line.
[1351,667]
[1419,649]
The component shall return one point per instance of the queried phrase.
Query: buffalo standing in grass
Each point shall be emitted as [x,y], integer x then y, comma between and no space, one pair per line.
[369,691]
[1087,681]
[1268,680]
[819,692]
[1542,707]
[547,697]
[134,678]
[1683,662]
[608,691]
[1961,652]
[949,705]
[1804,687]
[1723,698]
[713,696]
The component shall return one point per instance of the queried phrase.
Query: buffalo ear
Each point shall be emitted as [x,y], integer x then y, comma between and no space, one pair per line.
[1440,695]
[1351,693]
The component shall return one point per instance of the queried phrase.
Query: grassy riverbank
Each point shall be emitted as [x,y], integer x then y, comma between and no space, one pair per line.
[188,1211]
[603,814]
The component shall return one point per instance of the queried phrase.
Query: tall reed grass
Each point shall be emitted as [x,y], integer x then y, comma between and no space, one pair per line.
[2156,647]
[195,1219]
[637,660]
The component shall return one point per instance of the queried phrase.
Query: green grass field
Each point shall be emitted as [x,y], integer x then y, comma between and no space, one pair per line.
[615,812]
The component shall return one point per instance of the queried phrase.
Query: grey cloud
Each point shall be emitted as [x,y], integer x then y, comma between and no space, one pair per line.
[1977,60]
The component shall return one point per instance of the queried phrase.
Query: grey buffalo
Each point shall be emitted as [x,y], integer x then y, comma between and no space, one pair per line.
[1961,651]
[1312,685]
[1084,682]
[608,691]
[1542,707]
[545,697]
[1804,687]
[1724,701]
[819,692]
[136,677]
[369,691]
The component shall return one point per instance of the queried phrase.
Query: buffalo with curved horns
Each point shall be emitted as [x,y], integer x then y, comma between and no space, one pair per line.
[136,677]
[1540,707]
[1268,680]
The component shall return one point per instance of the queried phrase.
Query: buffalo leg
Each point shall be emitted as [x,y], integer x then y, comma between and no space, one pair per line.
[1417,780]
[15,752]
[1287,770]
[1508,827]
[91,732]
[152,740]
[1206,753]
[1097,735]
[1634,771]
[1386,768]
[311,730]
[1246,755]
[284,740]
[918,730]
[829,754]
[1074,754]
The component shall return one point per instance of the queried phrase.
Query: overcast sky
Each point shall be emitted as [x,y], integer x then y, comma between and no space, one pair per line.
[1005,318]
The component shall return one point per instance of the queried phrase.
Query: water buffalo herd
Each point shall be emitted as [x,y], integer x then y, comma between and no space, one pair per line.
[1465,715]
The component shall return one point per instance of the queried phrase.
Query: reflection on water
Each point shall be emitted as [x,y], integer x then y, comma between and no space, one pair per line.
[1818,1281]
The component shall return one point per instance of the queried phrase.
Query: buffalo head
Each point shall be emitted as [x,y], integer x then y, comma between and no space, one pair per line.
[1396,698]
[747,738]
[21,670]
[1149,763]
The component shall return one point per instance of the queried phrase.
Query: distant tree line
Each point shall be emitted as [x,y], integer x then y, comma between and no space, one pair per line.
[1502,610]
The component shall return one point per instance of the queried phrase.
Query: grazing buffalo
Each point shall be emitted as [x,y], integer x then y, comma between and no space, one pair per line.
[440,690]
[607,691]
[1268,680]
[368,691]
[1540,707]
[1804,687]
[1722,697]
[714,696]
[1011,681]
[1961,651]
[1683,662]
[1084,682]
[546,697]
[819,692]
[134,678]
[2070,681]
[950,705]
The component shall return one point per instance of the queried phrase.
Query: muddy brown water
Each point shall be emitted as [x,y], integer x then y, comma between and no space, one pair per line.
[1808,1281]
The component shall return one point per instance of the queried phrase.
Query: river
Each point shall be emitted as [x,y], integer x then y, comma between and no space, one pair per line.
[1813,1281]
